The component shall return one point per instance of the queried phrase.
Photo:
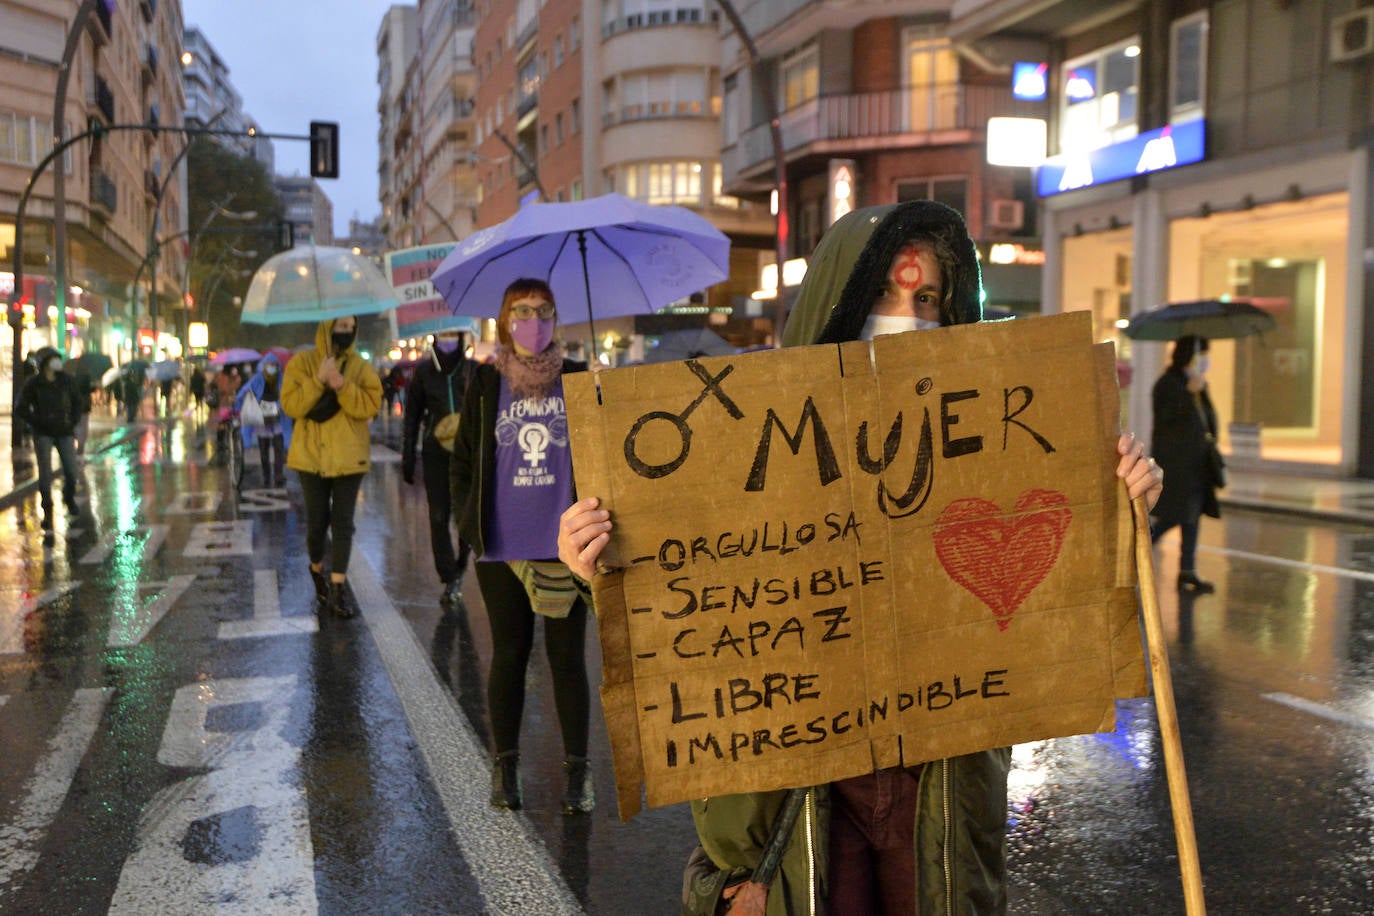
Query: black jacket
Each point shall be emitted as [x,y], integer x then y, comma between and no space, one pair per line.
[474,453]
[51,408]
[433,393]
[1184,428]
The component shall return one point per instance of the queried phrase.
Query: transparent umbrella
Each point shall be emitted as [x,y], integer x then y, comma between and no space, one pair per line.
[315,283]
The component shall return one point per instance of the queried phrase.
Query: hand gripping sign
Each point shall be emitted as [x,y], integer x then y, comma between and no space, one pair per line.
[830,560]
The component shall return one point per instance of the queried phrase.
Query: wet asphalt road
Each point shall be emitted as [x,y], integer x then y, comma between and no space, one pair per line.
[180,736]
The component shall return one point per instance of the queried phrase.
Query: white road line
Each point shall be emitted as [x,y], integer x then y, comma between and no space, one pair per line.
[14,613]
[127,628]
[511,866]
[267,619]
[45,791]
[101,551]
[246,776]
[1320,710]
[220,539]
[1291,564]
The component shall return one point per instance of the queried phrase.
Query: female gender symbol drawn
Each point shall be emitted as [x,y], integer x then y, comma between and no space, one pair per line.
[679,420]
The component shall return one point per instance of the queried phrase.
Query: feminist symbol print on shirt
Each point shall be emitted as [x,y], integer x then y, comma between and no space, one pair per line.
[1002,560]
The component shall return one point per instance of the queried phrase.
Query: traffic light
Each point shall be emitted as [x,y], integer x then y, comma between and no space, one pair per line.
[286,235]
[324,149]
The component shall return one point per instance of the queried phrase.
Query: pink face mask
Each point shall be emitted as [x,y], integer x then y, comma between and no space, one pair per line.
[533,334]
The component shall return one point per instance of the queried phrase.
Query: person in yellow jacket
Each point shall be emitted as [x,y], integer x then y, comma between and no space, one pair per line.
[332,393]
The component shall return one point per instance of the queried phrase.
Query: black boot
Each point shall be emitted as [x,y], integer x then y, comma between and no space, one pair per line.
[579,797]
[1188,581]
[340,601]
[505,781]
[321,587]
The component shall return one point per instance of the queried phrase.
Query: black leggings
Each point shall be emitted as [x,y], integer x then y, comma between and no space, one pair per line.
[512,637]
[329,505]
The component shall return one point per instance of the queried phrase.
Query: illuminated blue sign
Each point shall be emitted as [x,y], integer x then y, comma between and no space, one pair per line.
[1152,151]
[1028,80]
[1080,84]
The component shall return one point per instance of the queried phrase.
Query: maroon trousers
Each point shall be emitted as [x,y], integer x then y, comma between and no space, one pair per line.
[872,832]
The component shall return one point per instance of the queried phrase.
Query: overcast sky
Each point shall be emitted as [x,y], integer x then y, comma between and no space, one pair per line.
[297,61]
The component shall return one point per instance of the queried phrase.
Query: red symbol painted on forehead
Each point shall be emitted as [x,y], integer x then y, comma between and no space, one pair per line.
[907,272]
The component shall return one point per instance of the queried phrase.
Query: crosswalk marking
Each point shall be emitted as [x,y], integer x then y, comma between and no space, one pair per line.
[194,503]
[1321,710]
[267,619]
[45,791]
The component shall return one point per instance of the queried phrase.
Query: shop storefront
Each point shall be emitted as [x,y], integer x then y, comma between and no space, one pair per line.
[1298,384]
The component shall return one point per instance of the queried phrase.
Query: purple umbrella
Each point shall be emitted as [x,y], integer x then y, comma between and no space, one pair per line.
[609,255]
[235,355]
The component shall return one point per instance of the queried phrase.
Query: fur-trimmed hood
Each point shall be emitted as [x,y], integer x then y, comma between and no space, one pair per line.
[854,256]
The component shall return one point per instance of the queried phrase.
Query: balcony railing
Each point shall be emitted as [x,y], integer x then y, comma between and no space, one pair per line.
[104,193]
[893,113]
[527,102]
[692,15]
[527,33]
[102,26]
[651,111]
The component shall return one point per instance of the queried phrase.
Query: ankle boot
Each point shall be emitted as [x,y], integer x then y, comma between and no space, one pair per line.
[505,781]
[321,582]
[340,601]
[1188,581]
[579,797]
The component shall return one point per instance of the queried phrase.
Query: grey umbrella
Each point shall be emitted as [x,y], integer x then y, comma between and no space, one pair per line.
[1214,319]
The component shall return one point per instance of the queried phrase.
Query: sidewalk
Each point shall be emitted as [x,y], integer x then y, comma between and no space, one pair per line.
[1342,501]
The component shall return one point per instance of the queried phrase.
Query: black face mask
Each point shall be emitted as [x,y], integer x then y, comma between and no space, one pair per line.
[343,339]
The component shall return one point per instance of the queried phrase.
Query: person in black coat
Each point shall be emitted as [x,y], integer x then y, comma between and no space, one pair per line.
[50,405]
[436,391]
[1185,430]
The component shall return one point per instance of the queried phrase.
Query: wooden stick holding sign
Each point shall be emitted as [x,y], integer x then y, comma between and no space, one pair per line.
[1167,715]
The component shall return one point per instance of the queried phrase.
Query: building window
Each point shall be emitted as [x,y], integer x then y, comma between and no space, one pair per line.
[664,182]
[575,34]
[658,94]
[1097,98]
[931,78]
[950,191]
[558,50]
[576,193]
[801,77]
[719,198]
[1188,73]
[575,117]
[558,129]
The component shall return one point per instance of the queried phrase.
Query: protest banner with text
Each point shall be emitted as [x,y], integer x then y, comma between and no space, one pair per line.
[832,559]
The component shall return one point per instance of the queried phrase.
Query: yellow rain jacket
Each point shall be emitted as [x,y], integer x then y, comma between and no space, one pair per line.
[340,445]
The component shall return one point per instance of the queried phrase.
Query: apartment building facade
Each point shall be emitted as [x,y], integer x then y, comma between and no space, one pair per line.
[1203,150]
[876,106]
[125,71]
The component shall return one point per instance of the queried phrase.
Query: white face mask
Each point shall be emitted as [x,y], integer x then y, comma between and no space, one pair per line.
[1201,366]
[878,325]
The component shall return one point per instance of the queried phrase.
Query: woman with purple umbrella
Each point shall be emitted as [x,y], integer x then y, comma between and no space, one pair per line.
[511,477]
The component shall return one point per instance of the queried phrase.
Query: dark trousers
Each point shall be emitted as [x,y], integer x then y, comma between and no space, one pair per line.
[1187,555]
[512,638]
[872,834]
[272,451]
[66,454]
[448,563]
[329,506]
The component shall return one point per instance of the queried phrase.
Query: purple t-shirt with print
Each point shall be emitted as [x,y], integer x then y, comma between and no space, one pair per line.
[533,476]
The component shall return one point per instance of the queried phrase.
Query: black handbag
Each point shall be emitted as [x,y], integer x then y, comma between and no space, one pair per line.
[325,407]
[1216,466]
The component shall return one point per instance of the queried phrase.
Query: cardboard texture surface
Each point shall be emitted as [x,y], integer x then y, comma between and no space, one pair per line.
[828,561]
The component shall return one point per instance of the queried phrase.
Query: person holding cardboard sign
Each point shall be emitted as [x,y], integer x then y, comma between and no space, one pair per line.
[511,474]
[899,840]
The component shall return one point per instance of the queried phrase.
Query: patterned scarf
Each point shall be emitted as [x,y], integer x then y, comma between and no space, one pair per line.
[530,376]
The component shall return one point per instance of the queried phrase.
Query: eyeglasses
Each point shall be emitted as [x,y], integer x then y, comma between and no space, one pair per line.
[523,312]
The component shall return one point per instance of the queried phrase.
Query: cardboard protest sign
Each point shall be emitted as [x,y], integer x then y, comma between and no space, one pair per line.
[830,559]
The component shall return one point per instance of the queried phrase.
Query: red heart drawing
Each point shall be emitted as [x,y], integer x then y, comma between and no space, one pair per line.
[1002,559]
